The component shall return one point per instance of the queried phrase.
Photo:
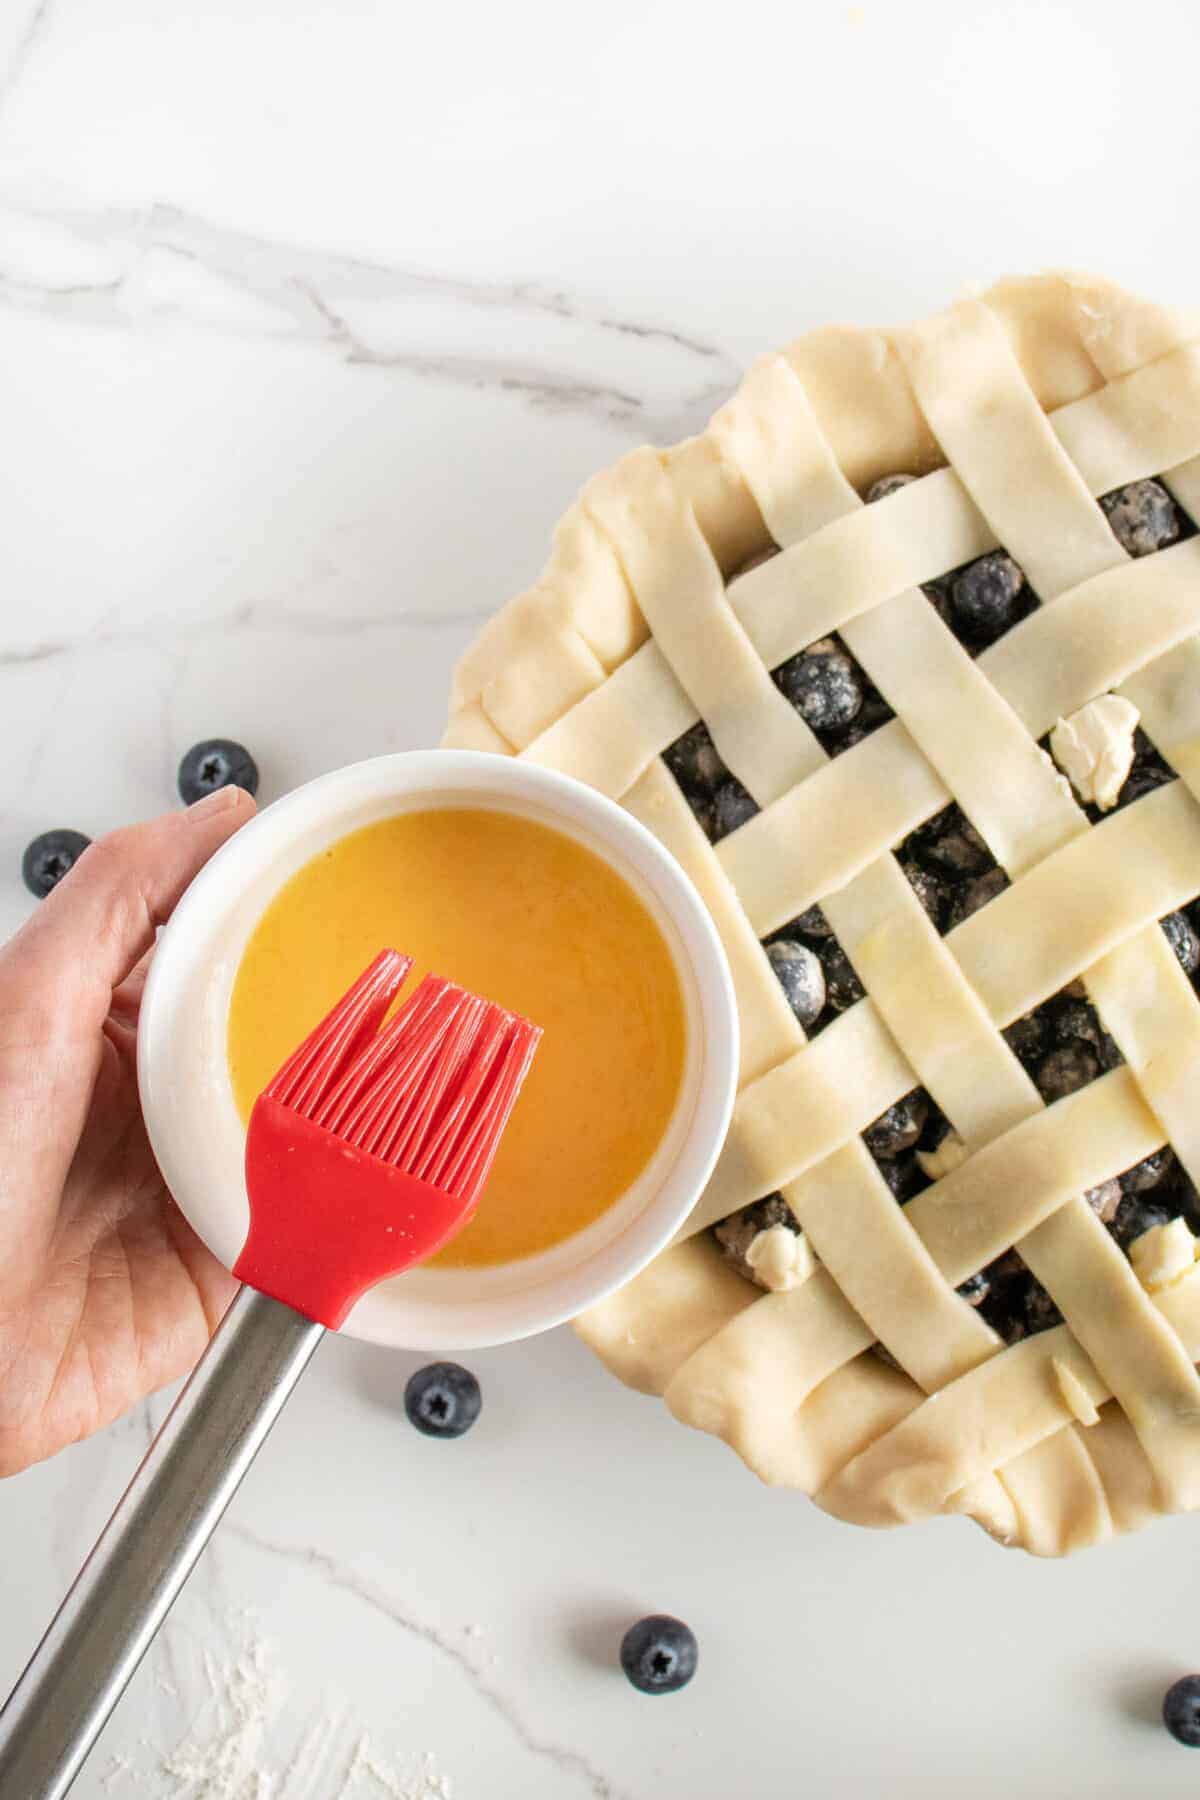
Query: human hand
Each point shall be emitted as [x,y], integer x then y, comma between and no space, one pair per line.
[106,1293]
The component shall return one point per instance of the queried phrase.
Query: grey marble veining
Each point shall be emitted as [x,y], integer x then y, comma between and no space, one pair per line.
[559,351]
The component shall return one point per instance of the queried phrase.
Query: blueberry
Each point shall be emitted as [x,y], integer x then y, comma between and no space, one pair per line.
[1181,1710]
[1149,1173]
[1065,1071]
[659,1654]
[1038,1311]
[899,1127]
[886,486]
[1187,1200]
[1104,1200]
[694,762]
[216,763]
[975,1289]
[842,986]
[976,894]
[951,846]
[442,1399]
[936,1127]
[1183,941]
[736,1233]
[823,685]
[873,713]
[732,807]
[1134,1216]
[988,596]
[811,924]
[760,1215]
[1026,1037]
[704,813]
[938,595]
[1003,1305]
[800,976]
[1143,517]
[1075,1021]
[837,743]
[772,1209]
[929,889]
[904,1176]
[50,857]
[1149,771]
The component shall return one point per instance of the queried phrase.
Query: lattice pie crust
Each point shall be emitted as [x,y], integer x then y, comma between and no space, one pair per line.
[1016,410]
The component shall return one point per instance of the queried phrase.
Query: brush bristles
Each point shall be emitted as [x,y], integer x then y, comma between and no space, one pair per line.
[430,1093]
[337,1041]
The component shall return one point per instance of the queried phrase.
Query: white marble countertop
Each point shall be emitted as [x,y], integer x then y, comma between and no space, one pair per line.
[312,318]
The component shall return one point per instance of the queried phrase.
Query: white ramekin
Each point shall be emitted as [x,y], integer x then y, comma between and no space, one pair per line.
[188,1099]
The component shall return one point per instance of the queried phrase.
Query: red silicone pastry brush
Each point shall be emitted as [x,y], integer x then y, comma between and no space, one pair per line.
[370,1147]
[364,1155]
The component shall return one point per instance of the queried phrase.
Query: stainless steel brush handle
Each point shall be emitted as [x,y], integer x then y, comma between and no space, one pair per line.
[148,1548]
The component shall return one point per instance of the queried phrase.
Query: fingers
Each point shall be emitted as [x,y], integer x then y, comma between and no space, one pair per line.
[89,934]
[127,999]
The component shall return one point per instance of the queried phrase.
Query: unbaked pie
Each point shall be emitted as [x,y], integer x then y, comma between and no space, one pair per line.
[899,658]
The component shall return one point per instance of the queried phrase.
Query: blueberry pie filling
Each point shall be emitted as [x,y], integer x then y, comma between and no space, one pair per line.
[1062,1044]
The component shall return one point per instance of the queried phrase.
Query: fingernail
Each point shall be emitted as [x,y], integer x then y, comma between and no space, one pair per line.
[219,801]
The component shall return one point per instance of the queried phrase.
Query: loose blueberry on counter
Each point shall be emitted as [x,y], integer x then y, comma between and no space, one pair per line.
[987,597]
[659,1654]
[1177,928]
[216,763]
[822,684]
[1143,517]
[800,976]
[442,1399]
[50,857]
[1181,1710]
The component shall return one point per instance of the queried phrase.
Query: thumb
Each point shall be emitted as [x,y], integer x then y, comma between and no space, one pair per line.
[97,924]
